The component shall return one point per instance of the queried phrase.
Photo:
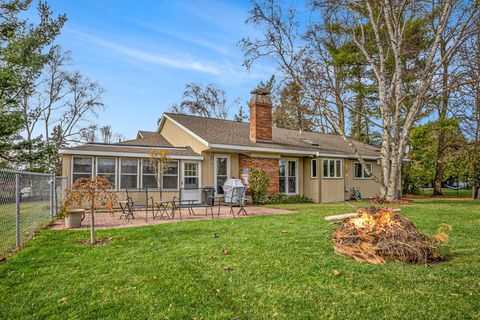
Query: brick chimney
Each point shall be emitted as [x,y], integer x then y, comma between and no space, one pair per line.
[260,115]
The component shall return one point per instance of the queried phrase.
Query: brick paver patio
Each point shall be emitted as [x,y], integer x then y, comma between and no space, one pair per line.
[108,221]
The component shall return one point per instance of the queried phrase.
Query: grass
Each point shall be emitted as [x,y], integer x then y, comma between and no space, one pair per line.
[33,215]
[449,193]
[277,267]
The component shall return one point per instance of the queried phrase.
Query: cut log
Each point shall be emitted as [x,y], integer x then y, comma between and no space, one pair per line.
[350,215]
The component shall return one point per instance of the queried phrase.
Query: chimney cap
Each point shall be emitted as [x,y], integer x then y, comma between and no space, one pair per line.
[260,91]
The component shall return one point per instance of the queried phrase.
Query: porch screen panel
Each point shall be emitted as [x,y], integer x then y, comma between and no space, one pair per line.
[106,167]
[170,176]
[149,181]
[129,173]
[82,168]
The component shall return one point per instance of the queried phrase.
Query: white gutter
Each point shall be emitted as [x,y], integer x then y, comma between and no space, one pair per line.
[123,154]
[132,146]
[261,149]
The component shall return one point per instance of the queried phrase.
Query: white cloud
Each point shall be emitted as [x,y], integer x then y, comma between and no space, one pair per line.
[184,63]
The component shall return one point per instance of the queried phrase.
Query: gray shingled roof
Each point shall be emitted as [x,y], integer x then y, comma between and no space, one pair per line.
[218,131]
[140,145]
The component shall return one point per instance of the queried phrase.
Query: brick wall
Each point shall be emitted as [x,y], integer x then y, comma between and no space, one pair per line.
[270,166]
[260,121]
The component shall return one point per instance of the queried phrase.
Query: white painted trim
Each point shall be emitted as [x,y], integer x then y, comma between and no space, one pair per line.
[345,156]
[190,132]
[215,160]
[123,154]
[311,168]
[71,167]
[127,146]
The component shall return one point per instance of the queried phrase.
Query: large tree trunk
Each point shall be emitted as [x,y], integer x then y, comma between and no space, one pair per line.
[442,115]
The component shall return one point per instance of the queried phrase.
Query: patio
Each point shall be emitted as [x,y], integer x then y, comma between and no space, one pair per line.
[105,220]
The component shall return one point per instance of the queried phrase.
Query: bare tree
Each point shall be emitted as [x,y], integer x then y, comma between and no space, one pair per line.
[205,101]
[378,30]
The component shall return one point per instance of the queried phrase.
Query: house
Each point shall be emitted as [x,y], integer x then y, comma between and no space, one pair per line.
[207,152]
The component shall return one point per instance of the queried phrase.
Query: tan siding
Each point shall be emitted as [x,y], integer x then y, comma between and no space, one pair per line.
[207,169]
[368,187]
[311,185]
[178,137]
[332,189]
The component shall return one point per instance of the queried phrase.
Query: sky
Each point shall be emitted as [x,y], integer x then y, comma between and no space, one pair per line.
[144,52]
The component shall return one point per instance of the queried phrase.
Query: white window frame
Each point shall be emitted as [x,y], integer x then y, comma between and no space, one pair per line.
[364,174]
[215,162]
[120,172]
[71,167]
[116,169]
[141,176]
[179,168]
[182,166]
[311,169]
[335,175]
[287,176]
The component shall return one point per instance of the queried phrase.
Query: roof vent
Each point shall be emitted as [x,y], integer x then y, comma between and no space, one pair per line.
[310,142]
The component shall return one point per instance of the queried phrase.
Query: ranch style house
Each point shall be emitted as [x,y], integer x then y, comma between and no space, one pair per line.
[206,152]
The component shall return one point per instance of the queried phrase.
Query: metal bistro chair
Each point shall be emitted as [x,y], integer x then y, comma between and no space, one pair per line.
[237,199]
[159,208]
[207,201]
[141,203]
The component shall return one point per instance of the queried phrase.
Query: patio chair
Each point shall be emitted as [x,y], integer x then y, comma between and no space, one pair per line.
[178,205]
[207,200]
[141,202]
[159,208]
[237,199]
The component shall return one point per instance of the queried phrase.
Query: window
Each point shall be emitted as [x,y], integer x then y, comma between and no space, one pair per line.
[288,176]
[222,172]
[107,167]
[149,181]
[359,170]
[313,168]
[190,175]
[81,168]
[170,176]
[128,173]
[332,168]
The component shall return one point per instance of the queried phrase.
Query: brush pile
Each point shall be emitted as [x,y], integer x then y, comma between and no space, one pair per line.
[379,234]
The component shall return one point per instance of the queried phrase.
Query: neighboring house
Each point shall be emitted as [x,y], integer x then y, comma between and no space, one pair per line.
[207,152]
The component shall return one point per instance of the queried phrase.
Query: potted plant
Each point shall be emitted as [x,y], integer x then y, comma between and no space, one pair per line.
[93,193]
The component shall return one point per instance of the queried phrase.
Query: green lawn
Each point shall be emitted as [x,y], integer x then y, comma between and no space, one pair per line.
[462,193]
[277,267]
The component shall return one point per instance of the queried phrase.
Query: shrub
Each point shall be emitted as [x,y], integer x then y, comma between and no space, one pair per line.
[259,182]
[286,199]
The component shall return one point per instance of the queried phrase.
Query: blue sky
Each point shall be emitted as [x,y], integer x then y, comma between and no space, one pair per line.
[144,52]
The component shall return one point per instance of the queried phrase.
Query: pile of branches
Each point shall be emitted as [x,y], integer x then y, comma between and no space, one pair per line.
[379,234]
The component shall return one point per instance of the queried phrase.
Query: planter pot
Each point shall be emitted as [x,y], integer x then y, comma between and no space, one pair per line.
[74,217]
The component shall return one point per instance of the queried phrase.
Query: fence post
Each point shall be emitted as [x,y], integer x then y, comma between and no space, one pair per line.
[17,210]
[52,192]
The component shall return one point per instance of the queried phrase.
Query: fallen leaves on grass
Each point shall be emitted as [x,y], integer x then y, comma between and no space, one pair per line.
[98,242]
[225,252]
[336,272]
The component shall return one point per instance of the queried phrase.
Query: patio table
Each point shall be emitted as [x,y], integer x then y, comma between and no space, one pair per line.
[218,199]
[127,211]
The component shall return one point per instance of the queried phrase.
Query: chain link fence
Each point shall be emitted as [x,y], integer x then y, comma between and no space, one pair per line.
[28,201]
